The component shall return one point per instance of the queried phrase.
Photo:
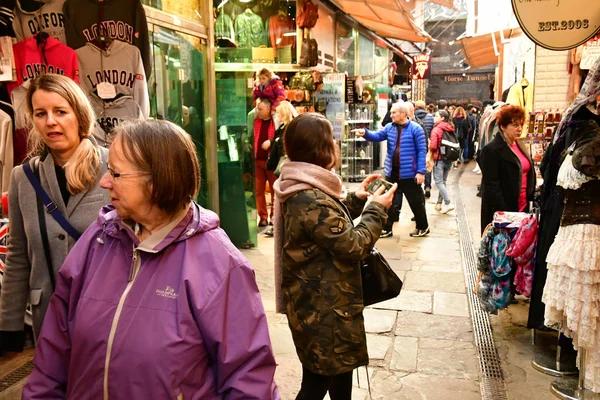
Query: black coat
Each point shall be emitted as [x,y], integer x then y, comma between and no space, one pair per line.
[277,150]
[501,181]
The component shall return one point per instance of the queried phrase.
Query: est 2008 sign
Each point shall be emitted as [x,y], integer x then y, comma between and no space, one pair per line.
[558,24]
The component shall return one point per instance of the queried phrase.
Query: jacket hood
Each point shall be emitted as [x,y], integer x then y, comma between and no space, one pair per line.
[197,220]
[445,126]
[29,6]
[50,44]
[420,113]
[115,47]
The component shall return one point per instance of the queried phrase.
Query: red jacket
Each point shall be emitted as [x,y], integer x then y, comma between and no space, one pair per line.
[273,91]
[271,135]
[435,140]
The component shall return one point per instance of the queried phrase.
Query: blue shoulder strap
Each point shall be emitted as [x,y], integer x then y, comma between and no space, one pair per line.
[51,208]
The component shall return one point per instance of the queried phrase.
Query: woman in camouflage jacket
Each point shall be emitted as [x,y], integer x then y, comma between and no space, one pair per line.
[318,253]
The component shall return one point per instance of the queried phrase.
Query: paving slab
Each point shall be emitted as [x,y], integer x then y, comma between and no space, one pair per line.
[431,326]
[434,281]
[450,304]
[410,301]
[378,346]
[438,266]
[448,358]
[387,385]
[379,321]
[404,356]
[430,387]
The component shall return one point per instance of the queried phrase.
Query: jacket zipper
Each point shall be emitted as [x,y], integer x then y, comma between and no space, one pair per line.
[135,267]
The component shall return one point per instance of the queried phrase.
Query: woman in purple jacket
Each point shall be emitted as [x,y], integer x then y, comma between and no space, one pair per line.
[154,302]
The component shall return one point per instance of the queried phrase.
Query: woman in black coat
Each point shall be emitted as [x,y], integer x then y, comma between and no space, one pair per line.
[508,174]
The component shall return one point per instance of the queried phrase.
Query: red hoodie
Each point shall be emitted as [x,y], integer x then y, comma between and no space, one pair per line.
[437,133]
[52,57]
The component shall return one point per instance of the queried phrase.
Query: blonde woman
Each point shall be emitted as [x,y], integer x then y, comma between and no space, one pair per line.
[285,113]
[462,127]
[68,163]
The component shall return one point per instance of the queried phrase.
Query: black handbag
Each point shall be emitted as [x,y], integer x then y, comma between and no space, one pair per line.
[379,281]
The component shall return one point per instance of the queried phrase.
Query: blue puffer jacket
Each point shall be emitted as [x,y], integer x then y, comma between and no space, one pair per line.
[413,148]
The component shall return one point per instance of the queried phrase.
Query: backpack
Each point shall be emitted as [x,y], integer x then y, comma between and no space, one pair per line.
[449,149]
[309,53]
[422,123]
[308,15]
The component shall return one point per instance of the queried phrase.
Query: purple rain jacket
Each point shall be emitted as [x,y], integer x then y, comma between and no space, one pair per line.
[178,316]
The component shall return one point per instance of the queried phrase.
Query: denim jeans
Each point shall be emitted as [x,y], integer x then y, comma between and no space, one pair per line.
[440,175]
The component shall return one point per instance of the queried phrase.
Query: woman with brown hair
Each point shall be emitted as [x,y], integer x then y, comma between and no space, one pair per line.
[508,176]
[318,252]
[68,163]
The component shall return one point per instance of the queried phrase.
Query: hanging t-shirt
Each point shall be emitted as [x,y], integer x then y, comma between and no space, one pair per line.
[526,166]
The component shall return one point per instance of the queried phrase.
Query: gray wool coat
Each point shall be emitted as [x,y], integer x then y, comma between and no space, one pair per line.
[26,272]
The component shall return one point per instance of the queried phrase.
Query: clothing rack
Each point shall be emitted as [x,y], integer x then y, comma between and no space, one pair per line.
[574,389]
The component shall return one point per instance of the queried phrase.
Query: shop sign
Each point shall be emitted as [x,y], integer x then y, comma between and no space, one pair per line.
[459,88]
[590,53]
[421,67]
[558,24]
[330,102]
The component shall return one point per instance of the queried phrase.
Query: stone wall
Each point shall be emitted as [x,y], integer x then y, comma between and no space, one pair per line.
[551,80]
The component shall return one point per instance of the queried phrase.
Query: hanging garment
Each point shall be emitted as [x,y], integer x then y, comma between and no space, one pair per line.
[552,206]
[32,17]
[7,16]
[588,94]
[121,65]
[123,20]
[249,30]
[279,26]
[224,27]
[522,250]
[22,124]
[495,265]
[572,289]
[110,114]
[6,150]
[521,94]
[51,56]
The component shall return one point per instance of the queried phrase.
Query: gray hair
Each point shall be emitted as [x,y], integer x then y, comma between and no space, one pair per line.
[400,106]
[266,102]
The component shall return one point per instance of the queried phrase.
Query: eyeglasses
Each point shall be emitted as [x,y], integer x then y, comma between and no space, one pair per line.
[116,175]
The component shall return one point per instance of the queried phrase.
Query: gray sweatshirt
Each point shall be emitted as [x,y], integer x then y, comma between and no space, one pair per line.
[48,18]
[121,65]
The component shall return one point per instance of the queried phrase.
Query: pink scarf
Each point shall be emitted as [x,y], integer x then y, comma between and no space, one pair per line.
[296,177]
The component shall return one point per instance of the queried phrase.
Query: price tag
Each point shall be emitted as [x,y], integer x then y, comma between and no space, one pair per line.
[106,90]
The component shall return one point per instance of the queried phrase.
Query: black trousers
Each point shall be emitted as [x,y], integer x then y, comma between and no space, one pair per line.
[314,387]
[416,200]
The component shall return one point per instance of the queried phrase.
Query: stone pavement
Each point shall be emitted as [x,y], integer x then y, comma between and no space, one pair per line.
[420,344]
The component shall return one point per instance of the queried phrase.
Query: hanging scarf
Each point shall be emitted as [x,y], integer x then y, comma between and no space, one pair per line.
[589,92]
[296,177]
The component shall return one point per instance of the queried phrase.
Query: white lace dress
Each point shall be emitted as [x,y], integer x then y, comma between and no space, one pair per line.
[572,290]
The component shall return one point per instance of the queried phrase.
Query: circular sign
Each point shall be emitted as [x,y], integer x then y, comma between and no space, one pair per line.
[558,24]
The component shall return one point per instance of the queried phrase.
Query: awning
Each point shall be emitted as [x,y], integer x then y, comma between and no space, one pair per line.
[387,18]
[483,50]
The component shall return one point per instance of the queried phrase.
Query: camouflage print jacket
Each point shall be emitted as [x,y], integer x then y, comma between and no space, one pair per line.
[322,288]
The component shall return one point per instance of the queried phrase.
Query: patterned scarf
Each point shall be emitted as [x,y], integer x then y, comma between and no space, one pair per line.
[296,177]
[589,92]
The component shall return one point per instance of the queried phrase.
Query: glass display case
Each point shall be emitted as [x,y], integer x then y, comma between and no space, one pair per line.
[356,152]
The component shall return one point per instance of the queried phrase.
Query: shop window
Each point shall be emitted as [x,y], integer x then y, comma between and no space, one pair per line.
[178,89]
[381,63]
[346,50]
[365,56]
[255,31]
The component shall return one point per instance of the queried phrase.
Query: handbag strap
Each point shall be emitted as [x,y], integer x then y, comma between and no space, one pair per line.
[43,230]
[50,206]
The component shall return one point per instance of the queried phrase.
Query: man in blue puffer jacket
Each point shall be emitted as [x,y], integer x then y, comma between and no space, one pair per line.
[404,164]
